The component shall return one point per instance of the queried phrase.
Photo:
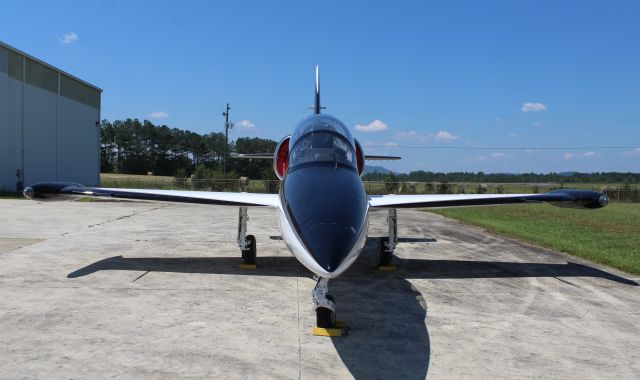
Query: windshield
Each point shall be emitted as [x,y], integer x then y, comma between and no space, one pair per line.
[324,148]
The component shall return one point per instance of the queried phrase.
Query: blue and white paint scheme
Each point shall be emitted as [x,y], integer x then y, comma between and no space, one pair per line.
[322,206]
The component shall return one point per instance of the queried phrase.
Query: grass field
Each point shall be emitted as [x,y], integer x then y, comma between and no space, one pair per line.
[376,188]
[11,196]
[610,235]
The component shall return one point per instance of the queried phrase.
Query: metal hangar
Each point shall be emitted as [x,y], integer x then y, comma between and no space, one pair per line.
[49,124]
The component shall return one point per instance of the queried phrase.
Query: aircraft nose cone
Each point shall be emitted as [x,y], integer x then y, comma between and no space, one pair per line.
[603,200]
[328,209]
[29,192]
[330,242]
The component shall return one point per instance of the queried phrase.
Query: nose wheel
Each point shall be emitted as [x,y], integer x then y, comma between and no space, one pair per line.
[325,305]
[325,317]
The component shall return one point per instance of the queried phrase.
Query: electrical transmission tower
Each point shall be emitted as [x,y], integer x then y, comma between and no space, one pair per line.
[227,125]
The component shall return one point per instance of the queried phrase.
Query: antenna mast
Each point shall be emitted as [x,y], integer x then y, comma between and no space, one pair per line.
[227,125]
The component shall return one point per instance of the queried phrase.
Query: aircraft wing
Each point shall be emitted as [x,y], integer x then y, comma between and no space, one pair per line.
[560,198]
[267,156]
[370,157]
[53,191]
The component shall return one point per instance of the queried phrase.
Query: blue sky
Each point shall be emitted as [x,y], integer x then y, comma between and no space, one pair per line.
[475,74]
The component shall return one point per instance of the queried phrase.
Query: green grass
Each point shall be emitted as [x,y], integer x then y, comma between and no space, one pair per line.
[170,183]
[11,196]
[610,235]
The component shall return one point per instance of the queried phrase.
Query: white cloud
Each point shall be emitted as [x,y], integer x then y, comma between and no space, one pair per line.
[68,38]
[533,107]
[416,137]
[374,126]
[514,135]
[413,137]
[495,156]
[499,120]
[246,125]
[501,156]
[158,115]
[406,135]
[445,136]
[574,156]
[631,153]
[537,124]
[390,144]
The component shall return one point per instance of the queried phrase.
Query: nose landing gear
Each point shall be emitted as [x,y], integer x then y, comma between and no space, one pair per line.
[325,305]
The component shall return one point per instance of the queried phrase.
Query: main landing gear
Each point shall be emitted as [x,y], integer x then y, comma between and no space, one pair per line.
[387,244]
[246,242]
[325,305]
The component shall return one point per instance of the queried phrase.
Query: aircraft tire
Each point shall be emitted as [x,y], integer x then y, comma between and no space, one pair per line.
[249,254]
[325,318]
[384,256]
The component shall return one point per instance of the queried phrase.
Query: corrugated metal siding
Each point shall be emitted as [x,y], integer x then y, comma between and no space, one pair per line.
[58,139]
[41,76]
[40,135]
[72,89]
[4,60]
[10,132]
[78,143]
[15,66]
[5,139]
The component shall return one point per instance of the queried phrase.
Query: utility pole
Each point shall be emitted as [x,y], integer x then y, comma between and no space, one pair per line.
[227,126]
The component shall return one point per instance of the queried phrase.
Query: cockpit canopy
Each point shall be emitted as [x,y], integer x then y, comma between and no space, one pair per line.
[321,140]
[317,123]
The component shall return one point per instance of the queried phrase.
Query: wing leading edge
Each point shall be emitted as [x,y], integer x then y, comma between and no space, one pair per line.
[53,191]
[370,157]
[560,198]
[270,156]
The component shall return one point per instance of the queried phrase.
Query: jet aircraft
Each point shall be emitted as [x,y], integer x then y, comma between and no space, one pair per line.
[322,207]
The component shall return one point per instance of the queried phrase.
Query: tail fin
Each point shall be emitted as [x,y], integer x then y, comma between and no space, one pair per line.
[317,107]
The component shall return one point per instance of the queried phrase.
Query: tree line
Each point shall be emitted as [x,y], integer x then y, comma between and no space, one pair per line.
[481,177]
[132,146]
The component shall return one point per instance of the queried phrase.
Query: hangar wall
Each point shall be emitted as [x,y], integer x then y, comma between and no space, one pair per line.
[48,124]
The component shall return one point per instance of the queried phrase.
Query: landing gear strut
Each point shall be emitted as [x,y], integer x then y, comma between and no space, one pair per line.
[387,244]
[246,242]
[325,304]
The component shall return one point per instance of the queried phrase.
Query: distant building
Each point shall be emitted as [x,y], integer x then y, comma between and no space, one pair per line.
[49,124]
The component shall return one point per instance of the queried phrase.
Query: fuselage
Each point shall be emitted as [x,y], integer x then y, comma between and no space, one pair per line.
[324,208]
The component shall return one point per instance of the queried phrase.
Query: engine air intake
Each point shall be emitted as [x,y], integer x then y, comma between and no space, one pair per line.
[281,158]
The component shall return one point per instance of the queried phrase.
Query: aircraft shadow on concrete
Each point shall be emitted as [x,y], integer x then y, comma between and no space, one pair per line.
[369,300]
[288,266]
[400,240]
